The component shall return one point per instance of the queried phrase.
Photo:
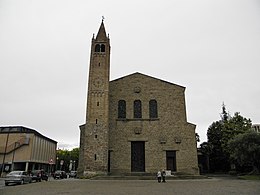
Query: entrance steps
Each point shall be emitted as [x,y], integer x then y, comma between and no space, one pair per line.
[146,176]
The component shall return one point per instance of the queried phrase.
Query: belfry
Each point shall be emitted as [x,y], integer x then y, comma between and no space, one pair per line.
[95,131]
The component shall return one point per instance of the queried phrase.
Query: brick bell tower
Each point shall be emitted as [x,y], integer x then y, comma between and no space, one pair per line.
[93,156]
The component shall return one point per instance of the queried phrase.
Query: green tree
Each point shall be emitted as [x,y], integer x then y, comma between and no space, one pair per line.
[224,115]
[219,133]
[245,150]
[74,153]
[218,159]
[206,150]
[234,126]
[197,137]
[67,156]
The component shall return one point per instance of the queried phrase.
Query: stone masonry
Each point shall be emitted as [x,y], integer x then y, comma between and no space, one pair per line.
[136,123]
[94,134]
[169,132]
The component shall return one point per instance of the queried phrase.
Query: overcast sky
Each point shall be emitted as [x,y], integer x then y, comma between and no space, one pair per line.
[211,47]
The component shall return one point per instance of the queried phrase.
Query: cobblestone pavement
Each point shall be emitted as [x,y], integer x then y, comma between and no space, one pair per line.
[221,186]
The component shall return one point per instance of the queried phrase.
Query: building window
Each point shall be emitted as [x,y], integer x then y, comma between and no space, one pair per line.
[153,112]
[100,48]
[103,48]
[137,109]
[97,48]
[121,109]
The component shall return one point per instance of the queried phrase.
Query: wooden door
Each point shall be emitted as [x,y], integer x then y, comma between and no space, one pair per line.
[171,160]
[138,156]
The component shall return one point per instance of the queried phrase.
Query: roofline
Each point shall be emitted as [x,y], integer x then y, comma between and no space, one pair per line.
[147,76]
[26,130]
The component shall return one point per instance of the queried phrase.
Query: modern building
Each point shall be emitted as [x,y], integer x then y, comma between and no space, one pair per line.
[256,128]
[22,148]
[134,124]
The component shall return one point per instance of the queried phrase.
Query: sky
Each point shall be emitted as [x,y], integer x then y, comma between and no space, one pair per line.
[211,47]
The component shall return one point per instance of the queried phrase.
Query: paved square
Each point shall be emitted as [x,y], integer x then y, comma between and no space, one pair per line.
[212,186]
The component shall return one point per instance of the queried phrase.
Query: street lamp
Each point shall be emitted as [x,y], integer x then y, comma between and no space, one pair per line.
[57,160]
[61,163]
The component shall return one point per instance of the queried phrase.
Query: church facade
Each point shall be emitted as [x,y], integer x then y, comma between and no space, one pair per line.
[134,124]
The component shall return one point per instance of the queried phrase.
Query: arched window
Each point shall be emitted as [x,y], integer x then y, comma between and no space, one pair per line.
[153,112]
[121,109]
[137,109]
[103,48]
[100,48]
[97,48]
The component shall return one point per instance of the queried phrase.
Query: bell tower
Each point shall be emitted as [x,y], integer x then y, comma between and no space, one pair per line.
[94,134]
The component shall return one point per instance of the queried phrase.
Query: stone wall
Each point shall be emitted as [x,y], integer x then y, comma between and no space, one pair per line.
[169,132]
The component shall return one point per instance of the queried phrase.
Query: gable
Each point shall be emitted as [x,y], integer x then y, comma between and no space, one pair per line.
[135,77]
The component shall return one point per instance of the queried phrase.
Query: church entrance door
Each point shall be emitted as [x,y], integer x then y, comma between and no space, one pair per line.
[138,156]
[171,160]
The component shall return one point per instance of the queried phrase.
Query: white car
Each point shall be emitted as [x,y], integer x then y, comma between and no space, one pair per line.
[18,177]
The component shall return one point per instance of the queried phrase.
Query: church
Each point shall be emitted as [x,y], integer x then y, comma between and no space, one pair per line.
[136,124]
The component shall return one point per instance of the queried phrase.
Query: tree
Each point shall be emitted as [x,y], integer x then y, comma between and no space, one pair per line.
[197,137]
[234,126]
[245,150]
[206,150]
[67,157]
[219,133]
[224,115]
[218,159]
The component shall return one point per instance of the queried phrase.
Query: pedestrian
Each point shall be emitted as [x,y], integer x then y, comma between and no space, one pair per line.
[163,175]
[159,176]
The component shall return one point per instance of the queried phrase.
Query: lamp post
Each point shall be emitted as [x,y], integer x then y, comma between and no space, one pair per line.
[61,163]
[57,161]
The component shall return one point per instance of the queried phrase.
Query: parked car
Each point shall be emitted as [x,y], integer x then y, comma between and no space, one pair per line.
[18,177]
[39,175]
[60,175]
[73,174]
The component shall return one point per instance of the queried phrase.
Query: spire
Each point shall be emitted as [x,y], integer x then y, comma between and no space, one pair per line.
[102,32]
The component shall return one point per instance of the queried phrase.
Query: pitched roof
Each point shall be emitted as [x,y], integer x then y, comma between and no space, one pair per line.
[140,74]
[102,35]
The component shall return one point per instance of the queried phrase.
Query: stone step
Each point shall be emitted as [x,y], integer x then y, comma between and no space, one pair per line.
[123,177]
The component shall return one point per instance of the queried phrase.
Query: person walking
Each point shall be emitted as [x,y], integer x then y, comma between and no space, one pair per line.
[159,176]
